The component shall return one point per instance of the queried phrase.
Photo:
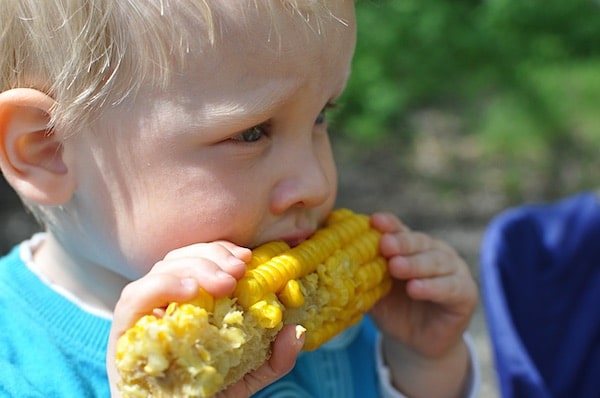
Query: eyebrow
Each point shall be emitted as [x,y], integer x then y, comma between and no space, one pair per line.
[248,109]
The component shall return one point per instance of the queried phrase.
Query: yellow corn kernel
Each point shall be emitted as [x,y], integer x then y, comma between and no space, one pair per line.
[265,252]
[327,330]
[196,349]
[291,295]
[370,274]
[203,300]
[268,311]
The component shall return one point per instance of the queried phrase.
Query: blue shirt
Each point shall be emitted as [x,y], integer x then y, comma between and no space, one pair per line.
[49,347]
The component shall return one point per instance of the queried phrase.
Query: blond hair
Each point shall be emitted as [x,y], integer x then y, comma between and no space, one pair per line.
[85,54]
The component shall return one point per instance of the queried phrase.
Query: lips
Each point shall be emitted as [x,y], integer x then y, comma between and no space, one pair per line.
[297,238]
[297,230]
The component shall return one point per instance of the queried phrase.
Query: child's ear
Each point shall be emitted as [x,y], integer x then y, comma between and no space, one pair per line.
[31,156]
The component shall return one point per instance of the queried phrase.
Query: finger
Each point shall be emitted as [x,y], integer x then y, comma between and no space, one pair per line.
[141,297]
[209,275]
[447,290]
[286,348]
[230,257]
[405,243]
[410,242]
[387,222]
[202,249]
[428,264]
[243,253]
[137,299]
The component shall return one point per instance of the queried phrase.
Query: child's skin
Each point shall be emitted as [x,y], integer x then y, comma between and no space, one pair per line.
[171,188]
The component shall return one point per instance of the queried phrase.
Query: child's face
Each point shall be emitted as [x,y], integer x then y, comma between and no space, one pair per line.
[234,149]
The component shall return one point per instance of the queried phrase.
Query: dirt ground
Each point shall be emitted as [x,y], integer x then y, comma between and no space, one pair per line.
[369,181]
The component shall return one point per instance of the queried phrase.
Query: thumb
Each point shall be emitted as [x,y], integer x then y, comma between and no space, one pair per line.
[286,347]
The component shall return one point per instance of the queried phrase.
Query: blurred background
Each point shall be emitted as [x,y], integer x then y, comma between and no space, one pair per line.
[455,111]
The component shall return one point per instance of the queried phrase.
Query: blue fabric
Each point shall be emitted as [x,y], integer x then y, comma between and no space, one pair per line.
[51,348]
[335,373]
[48,346]
[540,276]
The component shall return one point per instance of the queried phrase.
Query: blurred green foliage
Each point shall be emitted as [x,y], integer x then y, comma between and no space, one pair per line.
[523,75]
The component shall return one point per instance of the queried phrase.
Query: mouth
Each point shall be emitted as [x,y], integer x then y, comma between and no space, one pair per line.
[297,238]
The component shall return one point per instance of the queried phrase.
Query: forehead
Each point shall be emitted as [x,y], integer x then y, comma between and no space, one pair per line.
[246,29]
[263,47]
[261,55]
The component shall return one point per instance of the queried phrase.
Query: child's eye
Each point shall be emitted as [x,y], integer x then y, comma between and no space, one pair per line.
[321,117]
[253,134]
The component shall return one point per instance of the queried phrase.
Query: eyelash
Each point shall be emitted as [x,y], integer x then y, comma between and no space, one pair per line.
[321,117]
[261,128]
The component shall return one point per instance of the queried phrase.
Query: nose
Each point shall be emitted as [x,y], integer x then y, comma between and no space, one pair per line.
[308,179]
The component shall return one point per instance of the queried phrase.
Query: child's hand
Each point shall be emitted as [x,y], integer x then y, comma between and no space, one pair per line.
[286,348]
[214,267]
[430,305]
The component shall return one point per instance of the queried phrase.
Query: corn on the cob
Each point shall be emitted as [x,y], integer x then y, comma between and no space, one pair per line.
[196,349]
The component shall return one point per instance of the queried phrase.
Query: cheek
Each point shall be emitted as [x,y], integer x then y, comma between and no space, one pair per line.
[162,222]
[330,166]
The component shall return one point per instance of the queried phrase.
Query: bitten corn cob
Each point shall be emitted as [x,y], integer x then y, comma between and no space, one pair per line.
[196,349]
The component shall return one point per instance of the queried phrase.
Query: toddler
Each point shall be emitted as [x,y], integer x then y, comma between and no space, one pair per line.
[157,142]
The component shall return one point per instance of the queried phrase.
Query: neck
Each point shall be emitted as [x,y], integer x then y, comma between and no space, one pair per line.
[93,285]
